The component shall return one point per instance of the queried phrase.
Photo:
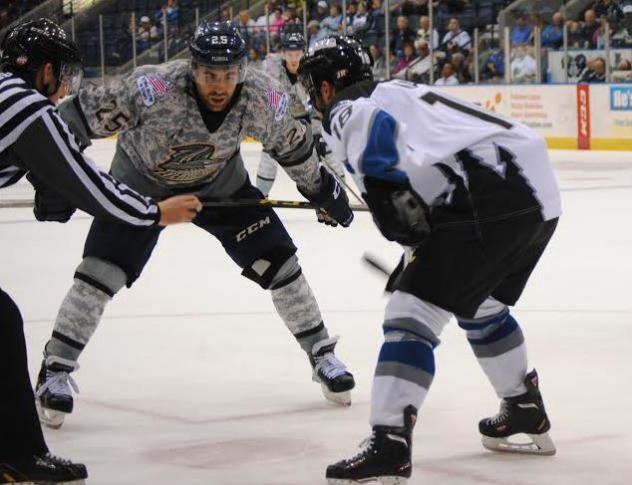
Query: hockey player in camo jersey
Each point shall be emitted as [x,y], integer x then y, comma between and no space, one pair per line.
[283,68]
[180,126]
[473,197]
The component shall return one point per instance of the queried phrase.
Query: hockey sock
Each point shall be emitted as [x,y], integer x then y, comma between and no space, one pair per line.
[298,308]
[96,282]
[499,346]
[78,318]
[405,370]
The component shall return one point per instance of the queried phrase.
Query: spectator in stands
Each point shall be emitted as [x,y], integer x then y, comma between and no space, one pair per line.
[225,15]
[292,21]
[460,64]
[322,10]
[609,10]
[448,76]
[553,34]
[456,39]
[521,32]
[276,25]
[595,72]
[523,67]
[377,14]
[379,63]
[424,31]
[333,23]
[588,29]
[422,49]
[623,36]
[401,36]
[146,35]
[171,12]
[254,59]
[494,69]
[407,57]
[313,32]
[246,26]
[360,20]
[574,34]
[352,9]
[623,72]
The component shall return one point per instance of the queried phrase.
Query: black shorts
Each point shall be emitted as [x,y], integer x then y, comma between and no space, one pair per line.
[247,234]
[458,267]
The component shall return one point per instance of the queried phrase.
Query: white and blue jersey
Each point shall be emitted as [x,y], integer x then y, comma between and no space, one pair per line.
[452,152]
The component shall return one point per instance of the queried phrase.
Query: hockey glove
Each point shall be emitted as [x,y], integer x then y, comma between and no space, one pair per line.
[321,147]
[49,205]
[398,211]
[332,201]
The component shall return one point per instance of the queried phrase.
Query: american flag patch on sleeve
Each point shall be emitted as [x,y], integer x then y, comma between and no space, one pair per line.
[277,103]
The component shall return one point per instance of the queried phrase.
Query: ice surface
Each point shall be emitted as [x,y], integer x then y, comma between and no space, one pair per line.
[193,379]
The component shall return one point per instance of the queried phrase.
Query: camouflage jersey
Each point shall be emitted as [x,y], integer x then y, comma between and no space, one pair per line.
[165,145]
[274,65]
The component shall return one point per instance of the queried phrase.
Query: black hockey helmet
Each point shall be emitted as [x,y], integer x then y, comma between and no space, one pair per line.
[293,41]
[341,60]
[219,44]
[29,45]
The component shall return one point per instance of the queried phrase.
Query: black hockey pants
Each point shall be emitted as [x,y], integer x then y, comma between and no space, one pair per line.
[20,431]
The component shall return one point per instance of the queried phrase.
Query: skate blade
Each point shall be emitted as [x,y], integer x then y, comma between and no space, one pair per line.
[381,480]
[540,444]
[338,398]
[49,417]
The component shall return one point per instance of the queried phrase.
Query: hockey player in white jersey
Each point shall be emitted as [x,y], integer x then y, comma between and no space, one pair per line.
[283,68]
[181,125]
[474,196]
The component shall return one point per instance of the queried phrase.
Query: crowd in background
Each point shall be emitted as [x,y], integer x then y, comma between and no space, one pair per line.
[450,42]
[11,10]
[412,43]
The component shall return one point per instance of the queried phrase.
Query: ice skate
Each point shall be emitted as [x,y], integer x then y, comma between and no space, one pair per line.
[43,470]
[386,457]
[520,415]
[334,378]
[53,392]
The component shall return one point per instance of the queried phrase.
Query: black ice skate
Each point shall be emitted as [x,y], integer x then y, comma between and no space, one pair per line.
[53,392]
[385,459]
[524,414]
[335,380]
[43,470]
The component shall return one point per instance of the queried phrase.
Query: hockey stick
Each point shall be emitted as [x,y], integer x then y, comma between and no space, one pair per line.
[375,264]
[277,204]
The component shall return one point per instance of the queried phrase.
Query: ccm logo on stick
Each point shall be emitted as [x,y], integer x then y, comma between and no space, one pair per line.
[241,235]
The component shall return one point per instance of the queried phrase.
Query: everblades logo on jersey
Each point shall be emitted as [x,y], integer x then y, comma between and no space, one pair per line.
[152,87]
[278,103]
[189,163]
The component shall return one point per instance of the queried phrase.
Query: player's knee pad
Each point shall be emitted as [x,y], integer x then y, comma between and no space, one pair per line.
[409,314]
[101,274]
[274,270]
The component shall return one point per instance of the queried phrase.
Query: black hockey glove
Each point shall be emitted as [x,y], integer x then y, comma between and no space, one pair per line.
[321,147]
[332,201]
[49,205]
[398,211]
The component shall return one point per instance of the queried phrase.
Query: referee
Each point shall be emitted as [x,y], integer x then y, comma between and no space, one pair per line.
[39,65]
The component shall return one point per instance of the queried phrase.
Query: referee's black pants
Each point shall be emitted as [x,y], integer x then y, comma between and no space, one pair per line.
[20,431]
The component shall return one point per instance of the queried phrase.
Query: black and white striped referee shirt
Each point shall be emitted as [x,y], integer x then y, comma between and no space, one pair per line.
[34,138]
